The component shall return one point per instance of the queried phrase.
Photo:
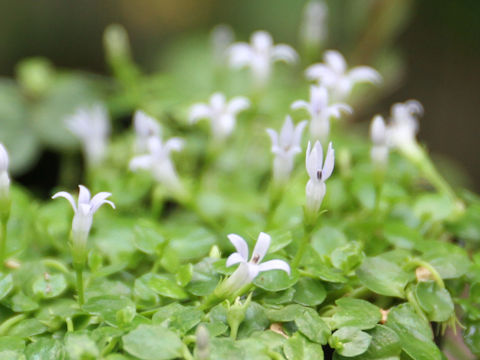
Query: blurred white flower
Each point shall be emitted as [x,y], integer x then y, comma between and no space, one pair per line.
[83,218]
[4,178]
[313,28]
[320,111]
[378,135]
[334,75]
[403,126]
[285,145]
[158,162]
[259,55]
[319,171]
[221,113]
[221,38]
[145,128]
[92,126]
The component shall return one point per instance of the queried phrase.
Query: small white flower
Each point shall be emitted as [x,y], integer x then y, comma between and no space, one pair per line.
[320,111]
[145,128]
[403,125]
[334,75]
[318,171]
[285,146]
[221,38]
[378,134]
[249,269]
[83,218]
[221,113]
[158,162]
[314,24]
[92,126]
[259,55]
[4,178]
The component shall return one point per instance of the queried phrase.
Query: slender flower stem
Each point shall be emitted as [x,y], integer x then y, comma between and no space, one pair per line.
[308,229]
[436,276]
[80,289]
[3,241]
[413,301]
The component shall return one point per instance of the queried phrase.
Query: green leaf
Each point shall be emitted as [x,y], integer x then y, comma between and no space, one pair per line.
[225,348]
[401,235]
[147,238]
[350,341]
[327,239]
[184,275]
[435,301]
[178,317]
[276,280]
[45,349]
[6,285]
[280,239]
[383,277]
[164,285]
[311,325]
[21,303]
[299,348]
[80,347]
[356,313]
[309,292]
[472,337]
[11,343]
[49,287]
[415,334]
[287,313]
[28,328]
[150,342]
[108,306]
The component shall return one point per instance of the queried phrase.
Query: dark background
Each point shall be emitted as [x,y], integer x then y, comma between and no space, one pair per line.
[441,47]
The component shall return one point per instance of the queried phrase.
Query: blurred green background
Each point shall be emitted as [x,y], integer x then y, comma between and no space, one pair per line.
[438,41]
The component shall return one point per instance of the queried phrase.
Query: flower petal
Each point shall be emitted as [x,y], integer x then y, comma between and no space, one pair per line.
[173,144]
[273,136]
[275,265]
[83,195]
[199,111]
[364,74]
[240,245]
[329,163]
[286,134]
[261,248]
[100,199]
[234,258]
[67,196]
[317,72]
[335,61]
[285,53]
[336,110]
[237,104]
[300,104]
[240,54]
[141,162]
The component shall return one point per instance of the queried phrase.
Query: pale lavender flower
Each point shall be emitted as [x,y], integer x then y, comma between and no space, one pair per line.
[403,125]
[221,38]
[313,29]
[4,177]
[321,111]
[259,55]
[318,171]
[221,113]
[378,135]
[334,75]
[145,128]
[92,126]
[285,145]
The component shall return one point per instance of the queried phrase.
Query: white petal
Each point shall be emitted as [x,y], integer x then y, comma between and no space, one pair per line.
[273,136]
[414,106]
[199,111]
[261,41]
[335,61]
[173,144]
[145,125]
[100,199]
[240,245]
[318,99]
[336,110]
[217,102]
[141,162]
[315,160]
[275,265]
[234,258]
[364,74]
[300,104]
[237,104]
[329,163]
[261,247]
[317,72]
[286,134]
[284,53]
[378,130]
[3,159]
[84,195]
[240,54]
[67,196]
[253,270]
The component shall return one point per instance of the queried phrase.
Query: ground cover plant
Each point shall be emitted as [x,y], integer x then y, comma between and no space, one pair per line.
[245,217]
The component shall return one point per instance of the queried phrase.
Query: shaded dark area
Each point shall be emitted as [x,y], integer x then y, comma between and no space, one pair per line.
[440,46]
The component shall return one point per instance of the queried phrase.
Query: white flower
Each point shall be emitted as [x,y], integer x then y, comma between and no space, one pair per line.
[314,24]
[248,269]
[259,55]
[82,220]
[403,125]
[145,128]
[221,38]
[4,178]
[221,113]
[319,172]
[158,162]
[320,111]
[378,134]
[285,146]
[92,126]
[334,75]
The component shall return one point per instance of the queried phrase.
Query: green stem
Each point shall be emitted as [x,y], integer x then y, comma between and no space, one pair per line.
[303,245]
[69,322]
[80,289]
[413,301]
[7,324]
[273,202]
[186,353]
[3,241]
[436,276]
